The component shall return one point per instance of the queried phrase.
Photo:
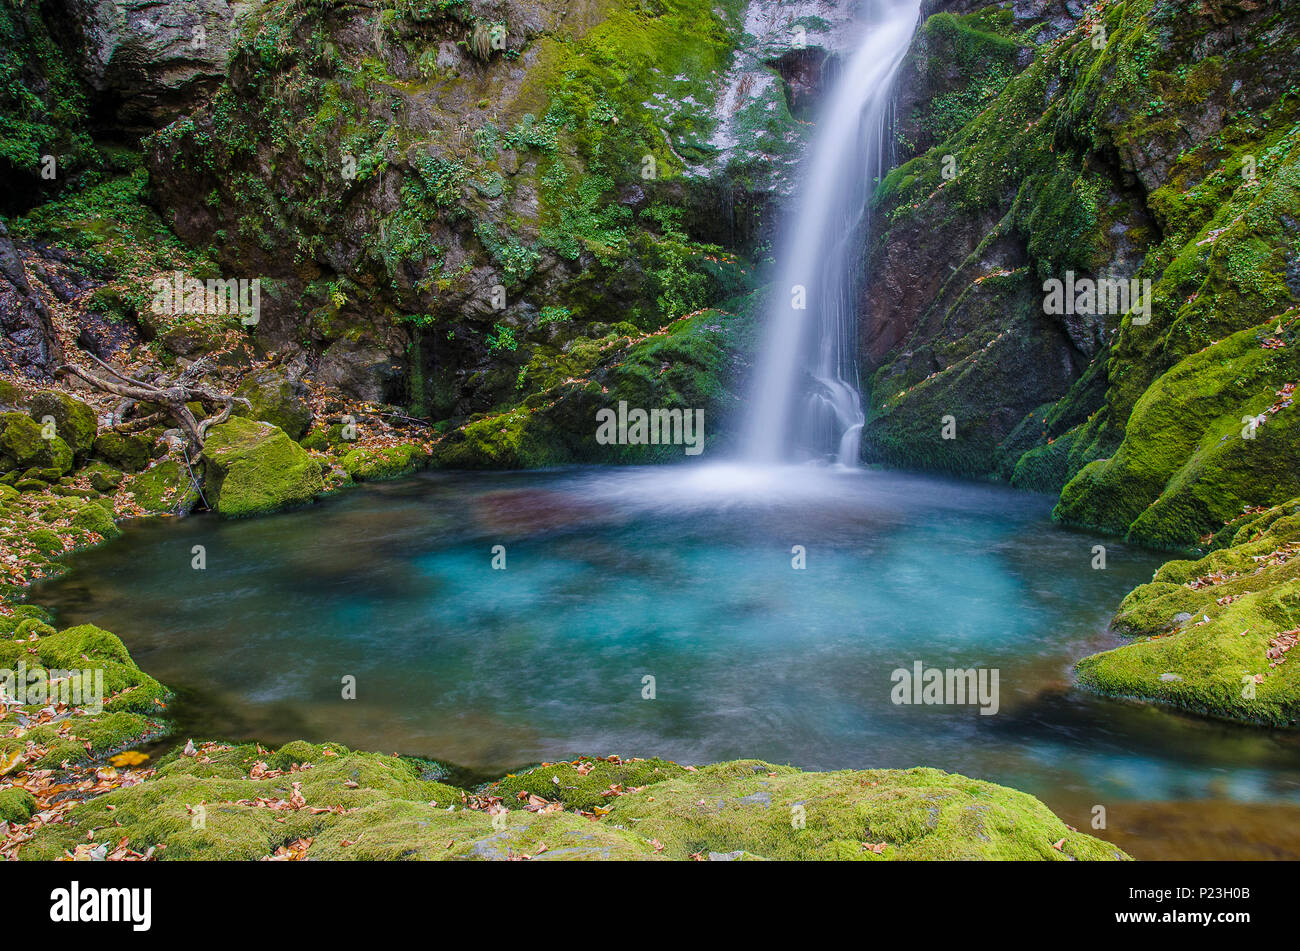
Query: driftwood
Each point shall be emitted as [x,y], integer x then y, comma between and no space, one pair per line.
[171,394]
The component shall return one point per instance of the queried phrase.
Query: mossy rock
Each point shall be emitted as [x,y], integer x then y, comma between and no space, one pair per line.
[127,689]
[1188,463]
[376,807]
[778,812]
[23,446]
[380,809]
[75,422]
[584,783]
[45,541]
[254,468]
[131,699]
[16,805]
[22,612]
[130,452]
[83,738]
[103,477]
[1210,630]
[164,489]
[25,628]
[11,398]
[373,465]
[277,400]
[96,518]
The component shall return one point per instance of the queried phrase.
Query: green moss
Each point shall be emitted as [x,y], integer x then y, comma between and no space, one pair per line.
[23,445]
[45,541]
[694,363]
[1185,465]
[164,489]
[127,688]
[276,400]
[1207,627]
[128,451]
[584,784]
[102,477]
[16,805]
[781,813]
[373,465]
[96,518]
[75,422]
[254,468]
[364,806]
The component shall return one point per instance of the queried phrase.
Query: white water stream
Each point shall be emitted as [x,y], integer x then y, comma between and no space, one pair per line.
[806,402]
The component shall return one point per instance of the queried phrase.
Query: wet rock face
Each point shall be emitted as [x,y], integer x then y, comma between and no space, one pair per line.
[802,70]
[29,344]
[360,370]
[1129,157]
[763,94]
[148,62]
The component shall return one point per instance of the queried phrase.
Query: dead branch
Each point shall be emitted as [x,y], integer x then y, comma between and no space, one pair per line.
[173,396]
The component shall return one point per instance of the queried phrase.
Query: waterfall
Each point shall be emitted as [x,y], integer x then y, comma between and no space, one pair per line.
[806,401]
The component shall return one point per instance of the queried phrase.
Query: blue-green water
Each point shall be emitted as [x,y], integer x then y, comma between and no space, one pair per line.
[684,574]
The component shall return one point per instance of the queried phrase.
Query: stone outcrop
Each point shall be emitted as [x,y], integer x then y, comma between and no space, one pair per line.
[253,468]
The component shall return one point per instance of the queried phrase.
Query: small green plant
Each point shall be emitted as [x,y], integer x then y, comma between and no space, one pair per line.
[502,339]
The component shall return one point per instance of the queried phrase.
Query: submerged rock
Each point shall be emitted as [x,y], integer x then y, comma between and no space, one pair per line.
[254,468]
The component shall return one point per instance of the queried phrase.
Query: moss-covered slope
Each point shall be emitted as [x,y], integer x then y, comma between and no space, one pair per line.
[1148,141]
[330,803]
[1215,635]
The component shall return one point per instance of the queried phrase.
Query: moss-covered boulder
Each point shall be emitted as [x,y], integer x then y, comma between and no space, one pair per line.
[244,803]
[1215,635]
[254,468]
[754,809]
[1216,434]
[94,725]
[97,518]
[23,445]
[696,364]
[75,422]
[328,802]
[127,451]
[166,488]
[376,464]
[584,784]
[103,477]
[16,805]
[45,541]
[277,400]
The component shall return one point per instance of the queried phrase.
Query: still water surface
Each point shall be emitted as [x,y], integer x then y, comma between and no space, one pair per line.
[684,574]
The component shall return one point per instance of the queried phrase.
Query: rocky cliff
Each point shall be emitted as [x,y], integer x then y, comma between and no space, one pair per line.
[1144,140]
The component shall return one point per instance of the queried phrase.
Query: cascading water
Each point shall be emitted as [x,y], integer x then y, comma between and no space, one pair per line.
[807,401]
